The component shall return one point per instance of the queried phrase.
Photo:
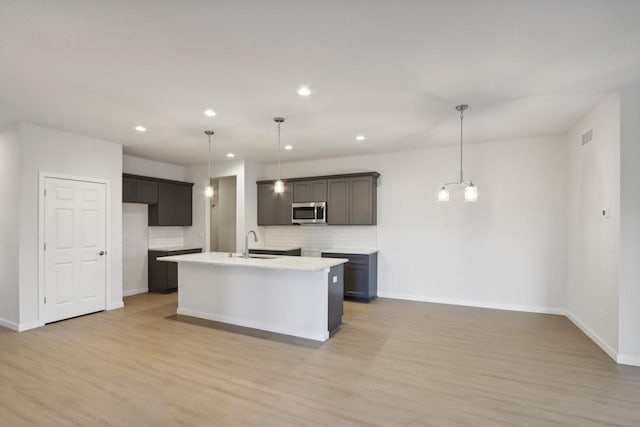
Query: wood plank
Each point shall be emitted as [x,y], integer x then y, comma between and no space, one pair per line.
[391,363]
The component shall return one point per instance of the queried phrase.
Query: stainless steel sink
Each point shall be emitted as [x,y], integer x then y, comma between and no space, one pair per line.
[258,256]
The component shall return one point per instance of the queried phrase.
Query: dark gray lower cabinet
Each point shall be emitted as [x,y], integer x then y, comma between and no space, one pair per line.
[163,276]
[360,275]
[292,252]
[336,291]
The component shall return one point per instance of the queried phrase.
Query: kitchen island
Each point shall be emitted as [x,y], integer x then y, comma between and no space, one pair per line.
[298,296]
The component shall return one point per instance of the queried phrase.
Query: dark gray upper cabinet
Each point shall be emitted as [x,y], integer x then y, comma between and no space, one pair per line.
[266,205]
[310,191]
[129,189]
[352,201]
[362,200]
[274,208]
[351,198]
[136,189]
[146,191]
[174,205]
[170,202]
[338,201]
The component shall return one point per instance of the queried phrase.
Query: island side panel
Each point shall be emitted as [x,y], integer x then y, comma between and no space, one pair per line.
[289,302]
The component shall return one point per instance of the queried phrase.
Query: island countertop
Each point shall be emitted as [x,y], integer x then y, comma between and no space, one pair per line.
[279,262]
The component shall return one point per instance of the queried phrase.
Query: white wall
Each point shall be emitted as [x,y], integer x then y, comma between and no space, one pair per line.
[629,294]
[135,247]
[9,181]
[48,150]
[507,250]
[146,167]
[593,240]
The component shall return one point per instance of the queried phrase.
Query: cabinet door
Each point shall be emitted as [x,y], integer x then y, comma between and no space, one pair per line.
[338,201]
[146,191]
[283,205]
[319,191]
[310,191]
[266,205]
[129,190]
[166,210]
[356,281]
[302,191]
[361,201]
[183,204]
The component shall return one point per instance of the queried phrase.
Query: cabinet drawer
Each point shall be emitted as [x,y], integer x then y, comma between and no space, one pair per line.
[353,258]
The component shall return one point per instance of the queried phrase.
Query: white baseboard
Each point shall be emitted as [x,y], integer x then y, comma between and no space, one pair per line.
[468,303]
[9,325]
[30,325]
[137,291]
[115,305]
[593,336]
[625,359]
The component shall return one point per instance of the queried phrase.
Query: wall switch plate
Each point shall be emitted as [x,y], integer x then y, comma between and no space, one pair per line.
[335,279]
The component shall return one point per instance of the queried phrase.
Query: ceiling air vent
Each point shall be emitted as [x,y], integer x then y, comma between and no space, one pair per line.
[587,137]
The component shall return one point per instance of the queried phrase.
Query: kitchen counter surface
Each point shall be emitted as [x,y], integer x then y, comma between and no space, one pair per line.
[280,262]
[360,251]
[174,248]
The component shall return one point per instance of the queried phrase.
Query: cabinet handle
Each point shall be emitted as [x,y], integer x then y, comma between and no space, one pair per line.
[101,253]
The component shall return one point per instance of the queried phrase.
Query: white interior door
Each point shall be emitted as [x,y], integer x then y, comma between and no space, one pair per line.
[75,245]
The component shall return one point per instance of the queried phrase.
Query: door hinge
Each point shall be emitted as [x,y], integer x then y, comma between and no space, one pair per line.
[45,193]
[45,300]
[45,246]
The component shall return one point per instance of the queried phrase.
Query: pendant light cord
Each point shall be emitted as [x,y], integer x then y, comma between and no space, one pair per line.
[279,169]
[209,176]
[461,121]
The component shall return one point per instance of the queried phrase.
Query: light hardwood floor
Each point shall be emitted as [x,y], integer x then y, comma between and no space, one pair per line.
[392,363]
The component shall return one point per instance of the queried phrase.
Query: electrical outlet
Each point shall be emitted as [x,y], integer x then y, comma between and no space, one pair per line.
[335,279]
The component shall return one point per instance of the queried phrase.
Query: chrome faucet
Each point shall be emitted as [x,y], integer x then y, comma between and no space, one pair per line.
[246,242]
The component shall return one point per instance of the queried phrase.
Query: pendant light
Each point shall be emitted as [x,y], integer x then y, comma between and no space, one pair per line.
[470,191]
[278,187]
[208,191]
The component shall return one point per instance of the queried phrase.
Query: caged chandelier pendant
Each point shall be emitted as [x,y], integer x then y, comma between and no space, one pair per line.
[470,191]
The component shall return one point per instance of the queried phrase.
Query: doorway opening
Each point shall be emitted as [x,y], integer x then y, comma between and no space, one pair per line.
[222,216]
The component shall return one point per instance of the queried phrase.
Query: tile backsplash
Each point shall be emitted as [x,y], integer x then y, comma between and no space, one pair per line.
[166,236]
[314,238]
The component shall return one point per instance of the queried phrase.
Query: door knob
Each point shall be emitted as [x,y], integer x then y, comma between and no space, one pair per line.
[101,253]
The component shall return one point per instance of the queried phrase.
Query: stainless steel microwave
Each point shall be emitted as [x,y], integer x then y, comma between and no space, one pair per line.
[309,213]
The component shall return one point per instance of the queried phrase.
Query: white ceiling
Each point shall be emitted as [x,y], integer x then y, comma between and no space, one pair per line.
[392,70]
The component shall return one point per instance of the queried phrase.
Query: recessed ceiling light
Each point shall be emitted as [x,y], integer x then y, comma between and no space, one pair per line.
[231,155]
[141,128]
[209,113]
[360,138]
[304,91]
[288,147]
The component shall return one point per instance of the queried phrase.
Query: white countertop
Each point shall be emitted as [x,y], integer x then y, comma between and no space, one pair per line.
[359,251]
[281,262]
[276,248]
[174,248]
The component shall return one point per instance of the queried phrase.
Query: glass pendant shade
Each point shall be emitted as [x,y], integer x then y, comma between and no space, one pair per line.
[278,187]
[471,193]
[208,191]
[443,195]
